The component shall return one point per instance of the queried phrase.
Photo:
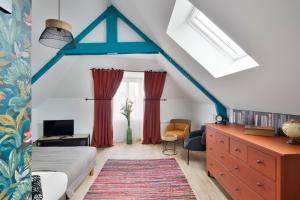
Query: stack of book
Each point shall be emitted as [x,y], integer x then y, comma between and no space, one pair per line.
[263,131]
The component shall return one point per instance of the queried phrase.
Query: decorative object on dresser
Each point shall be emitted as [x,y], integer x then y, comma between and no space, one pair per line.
[292,130]
[251,167]
[262,131]
[220,119]
[74,140]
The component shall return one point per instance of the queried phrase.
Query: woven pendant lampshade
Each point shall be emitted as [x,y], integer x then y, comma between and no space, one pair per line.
[57,34]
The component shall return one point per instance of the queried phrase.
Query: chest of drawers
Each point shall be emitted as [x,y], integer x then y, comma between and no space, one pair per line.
[253,167]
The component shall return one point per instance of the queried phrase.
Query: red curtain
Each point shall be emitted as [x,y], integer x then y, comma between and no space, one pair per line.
[106,83]
[154,84]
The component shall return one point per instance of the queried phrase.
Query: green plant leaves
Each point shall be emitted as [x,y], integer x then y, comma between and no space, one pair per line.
[13,161]
[4,62]
[4,169]
[7,120]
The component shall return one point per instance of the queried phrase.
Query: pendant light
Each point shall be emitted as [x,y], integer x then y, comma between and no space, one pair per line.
[6,6]
[57,33]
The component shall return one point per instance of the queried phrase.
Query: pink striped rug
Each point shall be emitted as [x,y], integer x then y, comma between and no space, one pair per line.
[141,179]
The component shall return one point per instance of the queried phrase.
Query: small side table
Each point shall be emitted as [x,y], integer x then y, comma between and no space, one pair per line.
[167,141]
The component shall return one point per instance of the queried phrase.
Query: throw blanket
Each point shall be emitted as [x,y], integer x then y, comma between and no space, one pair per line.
[37,193]
[76,162]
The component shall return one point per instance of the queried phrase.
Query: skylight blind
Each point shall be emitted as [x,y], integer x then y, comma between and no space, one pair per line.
[215,35]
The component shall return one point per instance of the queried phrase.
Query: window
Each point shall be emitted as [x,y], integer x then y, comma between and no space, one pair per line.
[203,40]
[132,88]
[214,34]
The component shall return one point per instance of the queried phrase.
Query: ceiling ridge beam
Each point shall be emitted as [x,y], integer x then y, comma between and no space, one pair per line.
[112,48]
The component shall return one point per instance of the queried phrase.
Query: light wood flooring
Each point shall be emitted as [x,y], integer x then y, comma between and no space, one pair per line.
[205,188]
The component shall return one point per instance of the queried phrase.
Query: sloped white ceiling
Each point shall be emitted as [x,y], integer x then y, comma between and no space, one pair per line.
[268,31]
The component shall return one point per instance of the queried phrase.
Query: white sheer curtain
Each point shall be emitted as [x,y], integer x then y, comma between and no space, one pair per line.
[132,87]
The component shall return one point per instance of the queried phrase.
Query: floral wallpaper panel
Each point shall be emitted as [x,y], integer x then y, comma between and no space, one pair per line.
[15,102]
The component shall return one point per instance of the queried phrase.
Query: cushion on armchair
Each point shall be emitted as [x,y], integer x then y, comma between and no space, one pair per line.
[179,129]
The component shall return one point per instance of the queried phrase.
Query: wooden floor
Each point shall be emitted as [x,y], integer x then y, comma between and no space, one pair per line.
[204,187]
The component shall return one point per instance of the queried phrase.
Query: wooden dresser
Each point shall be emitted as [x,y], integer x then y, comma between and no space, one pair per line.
[253,167]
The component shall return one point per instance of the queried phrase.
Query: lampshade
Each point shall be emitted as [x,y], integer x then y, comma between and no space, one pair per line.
[6,6]
[57,34]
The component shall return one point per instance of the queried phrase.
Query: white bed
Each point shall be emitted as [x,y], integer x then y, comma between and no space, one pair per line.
[54,185]
[75,162]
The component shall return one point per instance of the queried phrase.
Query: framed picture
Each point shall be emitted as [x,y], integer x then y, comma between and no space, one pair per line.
[6,6]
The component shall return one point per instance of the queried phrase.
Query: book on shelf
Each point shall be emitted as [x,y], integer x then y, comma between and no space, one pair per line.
[263,131]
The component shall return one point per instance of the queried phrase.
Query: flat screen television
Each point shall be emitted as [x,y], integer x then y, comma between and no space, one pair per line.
[58,128]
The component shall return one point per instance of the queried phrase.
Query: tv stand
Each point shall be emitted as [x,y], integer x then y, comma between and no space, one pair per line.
[75,140]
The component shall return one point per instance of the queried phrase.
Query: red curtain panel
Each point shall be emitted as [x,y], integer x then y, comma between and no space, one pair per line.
[154,84]
[106,83]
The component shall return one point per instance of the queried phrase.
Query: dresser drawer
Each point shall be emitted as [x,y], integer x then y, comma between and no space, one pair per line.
[222,175]
[222,142]
[241,191]
[211,165]
[238,149]
[210,135]
[223,158]
[210,148]
[257,182]
[262,162]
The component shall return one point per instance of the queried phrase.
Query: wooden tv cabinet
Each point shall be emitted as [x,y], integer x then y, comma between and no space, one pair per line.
[75,140]
[253,167]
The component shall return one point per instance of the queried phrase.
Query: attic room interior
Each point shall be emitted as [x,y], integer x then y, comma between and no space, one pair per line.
[136,99]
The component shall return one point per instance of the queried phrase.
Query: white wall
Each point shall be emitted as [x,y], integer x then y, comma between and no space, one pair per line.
[178,105]
[82,113]
[202,114]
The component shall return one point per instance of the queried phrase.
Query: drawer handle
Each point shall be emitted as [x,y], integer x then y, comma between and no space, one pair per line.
[237,189]
[222,157]
[222,141]
[222,174]
[259,184]
[259,162]
[236,167]
[236,149]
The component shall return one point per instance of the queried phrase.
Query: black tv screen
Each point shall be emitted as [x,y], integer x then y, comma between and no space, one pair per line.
[58,127]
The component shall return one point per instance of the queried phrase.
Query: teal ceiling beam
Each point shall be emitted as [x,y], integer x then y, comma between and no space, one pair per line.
[220,108]
[46,67]
[112,46]
[111,26]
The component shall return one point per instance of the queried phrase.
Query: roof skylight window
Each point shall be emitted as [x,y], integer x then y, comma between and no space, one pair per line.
[206,42]
[215,35]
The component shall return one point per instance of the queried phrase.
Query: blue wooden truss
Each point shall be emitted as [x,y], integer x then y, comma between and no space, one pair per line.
[112,46]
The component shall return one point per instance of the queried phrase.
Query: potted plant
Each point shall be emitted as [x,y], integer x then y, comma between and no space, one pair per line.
[126,111]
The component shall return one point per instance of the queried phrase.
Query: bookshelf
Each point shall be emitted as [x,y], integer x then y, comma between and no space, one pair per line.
[261,119]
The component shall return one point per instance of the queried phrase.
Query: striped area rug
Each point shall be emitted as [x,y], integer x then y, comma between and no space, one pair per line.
[140,179]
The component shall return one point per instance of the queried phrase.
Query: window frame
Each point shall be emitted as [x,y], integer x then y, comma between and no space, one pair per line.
[222,44]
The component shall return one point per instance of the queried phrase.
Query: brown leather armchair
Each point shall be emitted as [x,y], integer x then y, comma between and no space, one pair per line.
[179,127]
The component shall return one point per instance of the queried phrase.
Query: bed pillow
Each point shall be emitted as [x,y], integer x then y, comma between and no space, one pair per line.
[37,193]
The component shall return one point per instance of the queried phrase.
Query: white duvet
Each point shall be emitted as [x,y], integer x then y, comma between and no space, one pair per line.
[54,184]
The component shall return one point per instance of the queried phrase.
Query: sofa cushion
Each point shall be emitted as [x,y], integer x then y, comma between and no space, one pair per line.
[180,126]
[176,132]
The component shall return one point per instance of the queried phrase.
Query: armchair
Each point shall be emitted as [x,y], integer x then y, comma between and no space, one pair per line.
[178,127]
[196,141]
